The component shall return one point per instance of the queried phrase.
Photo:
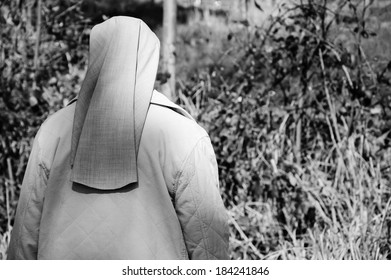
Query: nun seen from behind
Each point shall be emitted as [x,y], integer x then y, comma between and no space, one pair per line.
[122,173]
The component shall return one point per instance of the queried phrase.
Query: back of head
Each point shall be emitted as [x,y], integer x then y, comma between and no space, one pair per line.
[113,103]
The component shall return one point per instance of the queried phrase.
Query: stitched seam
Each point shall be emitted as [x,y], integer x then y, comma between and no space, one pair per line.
[196,213]
[24,211]
[201,223]
[184,162]
[46,170]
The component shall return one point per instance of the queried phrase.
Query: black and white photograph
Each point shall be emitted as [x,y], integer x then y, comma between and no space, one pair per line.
[195,130]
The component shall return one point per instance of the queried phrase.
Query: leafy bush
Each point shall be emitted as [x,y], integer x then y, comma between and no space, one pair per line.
[298,112]
[300,125]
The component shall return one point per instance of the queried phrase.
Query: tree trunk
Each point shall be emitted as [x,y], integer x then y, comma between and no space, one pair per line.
[169,32]
[37,42]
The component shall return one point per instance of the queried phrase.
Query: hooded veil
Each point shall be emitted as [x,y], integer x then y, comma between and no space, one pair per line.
[113,103]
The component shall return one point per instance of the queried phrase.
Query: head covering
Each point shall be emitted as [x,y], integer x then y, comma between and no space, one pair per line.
[113,103]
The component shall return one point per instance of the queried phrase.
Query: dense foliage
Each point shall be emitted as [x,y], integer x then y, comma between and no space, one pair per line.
[300,121]
[298,111]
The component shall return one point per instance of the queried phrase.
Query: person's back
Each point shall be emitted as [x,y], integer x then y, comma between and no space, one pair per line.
[173,210]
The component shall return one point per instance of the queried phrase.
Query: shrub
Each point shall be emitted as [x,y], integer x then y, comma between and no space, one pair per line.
[298,112]
[300,126]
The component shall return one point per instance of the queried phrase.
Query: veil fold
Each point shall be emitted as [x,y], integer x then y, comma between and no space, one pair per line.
[113,103]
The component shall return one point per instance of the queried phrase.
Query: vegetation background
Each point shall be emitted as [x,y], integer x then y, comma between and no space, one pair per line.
[295,96]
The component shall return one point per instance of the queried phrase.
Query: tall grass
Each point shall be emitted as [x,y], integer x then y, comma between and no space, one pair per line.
[4,242]
[307,178]
[350,199]
[326,197]
[9,188]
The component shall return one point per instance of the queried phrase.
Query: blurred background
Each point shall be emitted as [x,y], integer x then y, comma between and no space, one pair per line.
[296,97]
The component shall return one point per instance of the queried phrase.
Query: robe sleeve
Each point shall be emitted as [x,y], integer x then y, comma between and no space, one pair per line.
[25,233]
[199,206]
